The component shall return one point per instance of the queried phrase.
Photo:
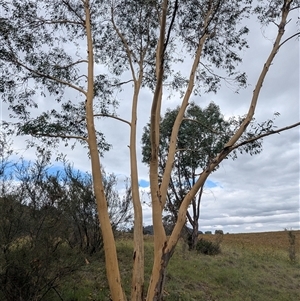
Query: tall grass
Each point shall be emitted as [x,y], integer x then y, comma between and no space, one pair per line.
[250,267]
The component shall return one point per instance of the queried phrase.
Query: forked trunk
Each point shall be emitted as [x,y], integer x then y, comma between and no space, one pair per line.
[157,281]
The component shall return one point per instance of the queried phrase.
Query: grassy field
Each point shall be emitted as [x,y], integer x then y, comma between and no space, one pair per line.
[251,267]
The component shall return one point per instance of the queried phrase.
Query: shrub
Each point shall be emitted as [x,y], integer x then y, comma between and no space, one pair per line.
[34,257]
[208,247]
[292,246]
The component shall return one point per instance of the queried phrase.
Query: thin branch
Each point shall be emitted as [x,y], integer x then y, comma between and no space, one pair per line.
[227,80]
[264,135]
[122,83]
[199,200]
[43,21]
[17,62]
[60,136]
[52,78]
[70,65]
[83,75]
[128,51]
[67,3]
[296,7]
[292,36]
[114,117]
[185,149]
[171,25]
[191,221]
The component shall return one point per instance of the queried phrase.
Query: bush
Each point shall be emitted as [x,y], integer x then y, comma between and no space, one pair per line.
[292,246]
[208,247]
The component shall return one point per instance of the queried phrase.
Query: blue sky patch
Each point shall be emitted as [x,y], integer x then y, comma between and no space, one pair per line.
[210,184]
[144,183]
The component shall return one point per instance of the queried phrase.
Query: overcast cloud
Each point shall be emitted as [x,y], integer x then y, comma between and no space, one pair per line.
[258,193]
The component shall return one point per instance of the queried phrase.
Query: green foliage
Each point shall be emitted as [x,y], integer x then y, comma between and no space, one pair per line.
[207,247]
[225,38]
[35,256]
[48,225]
[42,57]
[42,62]
[206,126]
[202,135]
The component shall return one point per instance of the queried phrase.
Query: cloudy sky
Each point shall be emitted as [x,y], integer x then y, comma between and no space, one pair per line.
[250,194]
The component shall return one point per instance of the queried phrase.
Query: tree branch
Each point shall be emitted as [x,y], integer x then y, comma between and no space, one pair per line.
[122,83]
[52,78]
[180,115]
[43,21]
[114,117]
[70,65]
[261,79]
[171,25]
[67,3]
[289,38]
[59,136]
[128,51]
[265,135]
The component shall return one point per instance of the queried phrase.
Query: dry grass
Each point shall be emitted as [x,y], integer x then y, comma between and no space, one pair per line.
[266,240]
[252,267]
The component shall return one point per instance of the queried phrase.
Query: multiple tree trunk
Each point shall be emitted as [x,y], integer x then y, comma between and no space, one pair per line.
[196,39]
[163,247]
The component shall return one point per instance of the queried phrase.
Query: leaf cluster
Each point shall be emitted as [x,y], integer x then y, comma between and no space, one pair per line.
[220,22]
[43,64]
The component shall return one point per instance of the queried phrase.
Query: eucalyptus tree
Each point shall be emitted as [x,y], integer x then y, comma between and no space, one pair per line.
[47,57]
[210,32]
[201,136]
[42,59]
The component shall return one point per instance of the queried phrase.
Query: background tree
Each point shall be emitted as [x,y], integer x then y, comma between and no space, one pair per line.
[201,136]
